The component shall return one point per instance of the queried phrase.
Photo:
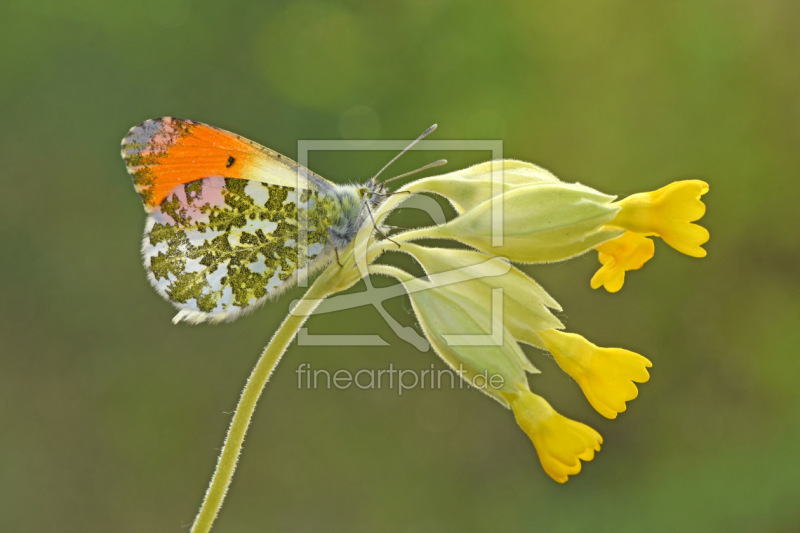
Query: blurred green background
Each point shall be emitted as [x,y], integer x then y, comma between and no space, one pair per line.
[112,417]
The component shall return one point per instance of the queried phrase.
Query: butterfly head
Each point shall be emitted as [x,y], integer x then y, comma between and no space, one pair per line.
[373,192]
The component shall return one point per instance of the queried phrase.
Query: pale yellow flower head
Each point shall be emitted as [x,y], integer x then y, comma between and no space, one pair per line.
[476,309]
[466,329]
[544,221]
[526,306]
[469,187]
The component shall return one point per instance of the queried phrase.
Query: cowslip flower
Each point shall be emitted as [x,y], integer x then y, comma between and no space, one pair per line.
[543,220]
[629,251]
[606,375]
[668,213]
[561,443]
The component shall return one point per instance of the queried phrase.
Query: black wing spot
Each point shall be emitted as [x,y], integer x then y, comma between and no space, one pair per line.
[231,161]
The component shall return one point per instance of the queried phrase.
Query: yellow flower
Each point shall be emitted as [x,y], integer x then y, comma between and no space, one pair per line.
[606,375]
[668,213]
[560,443]
[630,251]
[475,308]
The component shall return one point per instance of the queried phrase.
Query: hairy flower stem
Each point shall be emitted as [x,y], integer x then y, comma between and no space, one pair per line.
[428,232]
[226,464]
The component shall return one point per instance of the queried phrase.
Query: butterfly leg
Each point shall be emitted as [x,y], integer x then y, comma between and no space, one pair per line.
[380,232]
[335,250]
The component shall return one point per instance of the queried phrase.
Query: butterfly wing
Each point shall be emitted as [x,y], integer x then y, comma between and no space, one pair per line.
[163,153]
[219,247]
[222,234]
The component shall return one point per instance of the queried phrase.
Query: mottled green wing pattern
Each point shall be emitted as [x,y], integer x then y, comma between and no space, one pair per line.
[218,247]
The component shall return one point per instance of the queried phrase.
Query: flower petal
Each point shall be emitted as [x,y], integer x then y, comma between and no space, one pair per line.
[686,238]
[629,251]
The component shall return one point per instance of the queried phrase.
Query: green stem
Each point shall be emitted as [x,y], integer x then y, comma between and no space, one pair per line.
[226,464]
[332,280]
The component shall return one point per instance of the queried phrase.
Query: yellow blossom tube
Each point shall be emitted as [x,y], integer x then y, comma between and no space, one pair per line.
[668,212]
[561,443]
[629,251]
[605,375]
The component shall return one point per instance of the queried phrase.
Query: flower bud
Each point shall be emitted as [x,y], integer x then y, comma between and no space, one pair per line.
[466,330]
[526,305]
[534,223]
[469,187]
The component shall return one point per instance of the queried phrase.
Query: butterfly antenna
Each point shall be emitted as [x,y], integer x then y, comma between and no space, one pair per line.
[406,149]
[438,163]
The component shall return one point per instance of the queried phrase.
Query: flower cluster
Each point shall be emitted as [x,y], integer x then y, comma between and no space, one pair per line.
[476,308]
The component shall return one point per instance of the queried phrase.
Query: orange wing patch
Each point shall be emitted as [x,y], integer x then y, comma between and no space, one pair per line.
[163,153]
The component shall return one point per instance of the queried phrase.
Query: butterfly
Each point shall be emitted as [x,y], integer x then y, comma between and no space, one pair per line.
[231,222]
